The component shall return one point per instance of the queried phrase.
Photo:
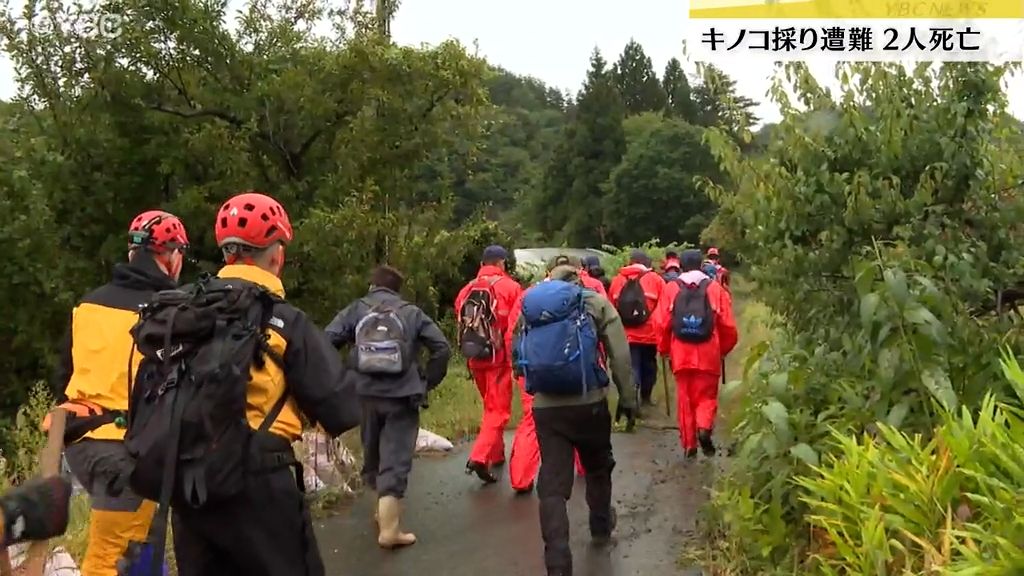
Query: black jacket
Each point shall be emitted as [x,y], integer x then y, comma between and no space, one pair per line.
[423,332]
[311,375]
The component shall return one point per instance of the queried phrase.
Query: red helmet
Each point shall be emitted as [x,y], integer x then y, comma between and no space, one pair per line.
[712,251]
[252,219]
[158,230]
[671,263]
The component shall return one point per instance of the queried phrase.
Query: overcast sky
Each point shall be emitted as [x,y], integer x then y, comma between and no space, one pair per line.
[552,39]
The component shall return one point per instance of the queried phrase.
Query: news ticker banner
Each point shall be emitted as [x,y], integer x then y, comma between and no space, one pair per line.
[861,30]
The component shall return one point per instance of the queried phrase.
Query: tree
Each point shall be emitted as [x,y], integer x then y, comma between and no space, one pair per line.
[652,193]
[679,103]
[881,225]
[592,145]
[718,104]
[637,82]
[180,111]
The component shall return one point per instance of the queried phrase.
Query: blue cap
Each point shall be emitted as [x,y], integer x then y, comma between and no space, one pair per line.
[591,261]
[495,252]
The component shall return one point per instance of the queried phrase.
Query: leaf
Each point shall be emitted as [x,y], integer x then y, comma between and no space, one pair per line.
[863,276]
[754,355]
[897,414]
[805,453]
[777,414]
[896,283]
[868,307]
[777,383]
[920,315]
[938,384]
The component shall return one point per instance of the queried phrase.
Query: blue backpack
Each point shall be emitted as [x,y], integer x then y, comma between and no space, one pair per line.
[710,269]
[558,347]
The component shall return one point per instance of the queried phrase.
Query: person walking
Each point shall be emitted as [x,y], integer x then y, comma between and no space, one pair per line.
[557,337]
[231,373]
[635,292]
[699,330]
[92,382]
[483,307]
[386,334]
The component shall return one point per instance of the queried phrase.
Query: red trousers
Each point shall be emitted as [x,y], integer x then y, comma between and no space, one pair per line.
[525,459]
[495,386]
[696,404]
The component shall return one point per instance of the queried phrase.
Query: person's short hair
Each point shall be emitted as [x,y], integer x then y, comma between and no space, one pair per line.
[388,277]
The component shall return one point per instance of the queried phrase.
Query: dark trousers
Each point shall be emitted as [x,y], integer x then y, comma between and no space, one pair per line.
[389,430]
[265,531]
[560,430]
[644,358]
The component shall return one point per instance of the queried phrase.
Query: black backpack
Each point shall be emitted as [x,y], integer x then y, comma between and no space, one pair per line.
[632,304]
[478,333]
[693,318]
[187,432]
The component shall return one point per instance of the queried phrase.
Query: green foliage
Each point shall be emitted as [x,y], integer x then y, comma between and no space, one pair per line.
[653,193]
[624,168]
[20,461]
[719,105]
[881,247]
[356,136]
[679,94]
[900,503]
[592,145]
[637,81]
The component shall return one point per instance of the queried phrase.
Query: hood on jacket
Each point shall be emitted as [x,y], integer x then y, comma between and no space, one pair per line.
[632,270]
[489,270]
[382,294]
[142,273]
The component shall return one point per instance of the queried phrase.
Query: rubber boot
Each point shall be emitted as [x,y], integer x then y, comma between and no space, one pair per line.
[388,510]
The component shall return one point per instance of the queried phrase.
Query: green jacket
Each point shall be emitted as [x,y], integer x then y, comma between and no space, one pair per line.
[612,335]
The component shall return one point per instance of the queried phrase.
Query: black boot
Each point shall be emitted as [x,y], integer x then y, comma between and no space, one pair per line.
[704,437]
[482,471]
[602,535]
[690,453]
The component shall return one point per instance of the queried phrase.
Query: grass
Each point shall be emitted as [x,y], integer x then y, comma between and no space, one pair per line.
[755,324]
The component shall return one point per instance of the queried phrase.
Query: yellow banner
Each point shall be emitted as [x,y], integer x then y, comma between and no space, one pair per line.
[856,9]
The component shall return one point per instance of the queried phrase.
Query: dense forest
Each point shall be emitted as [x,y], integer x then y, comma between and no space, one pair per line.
[881,225]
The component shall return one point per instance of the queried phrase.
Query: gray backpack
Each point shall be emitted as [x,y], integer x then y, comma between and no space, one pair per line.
[381,342]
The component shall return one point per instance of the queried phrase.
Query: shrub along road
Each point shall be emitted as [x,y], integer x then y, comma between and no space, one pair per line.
[466,529]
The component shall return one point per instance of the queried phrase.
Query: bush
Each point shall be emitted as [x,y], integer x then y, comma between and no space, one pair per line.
[880,234]
[897,503]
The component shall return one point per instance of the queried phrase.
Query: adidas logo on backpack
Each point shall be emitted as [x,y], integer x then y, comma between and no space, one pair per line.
[693,318]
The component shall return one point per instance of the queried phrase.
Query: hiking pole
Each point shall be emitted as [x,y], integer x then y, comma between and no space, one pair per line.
[664,382]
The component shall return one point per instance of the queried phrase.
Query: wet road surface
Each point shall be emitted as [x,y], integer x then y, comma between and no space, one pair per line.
[467,529]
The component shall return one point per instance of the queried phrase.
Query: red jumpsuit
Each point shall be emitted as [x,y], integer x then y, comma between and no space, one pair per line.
[494,377]
[697,367]
[592,283]
[525,459]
